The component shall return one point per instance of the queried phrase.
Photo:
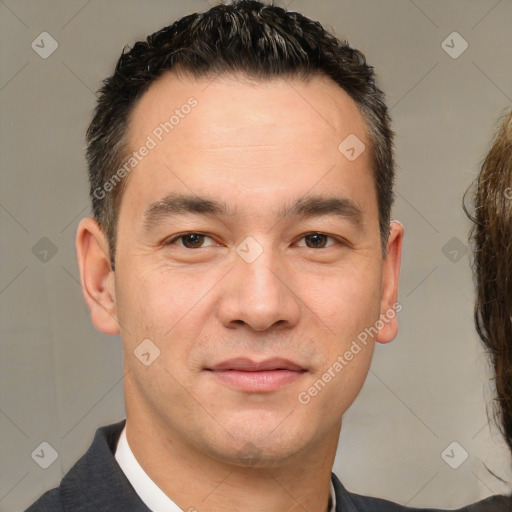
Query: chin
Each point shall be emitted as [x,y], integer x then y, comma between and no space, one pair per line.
[260,444]
[247,454]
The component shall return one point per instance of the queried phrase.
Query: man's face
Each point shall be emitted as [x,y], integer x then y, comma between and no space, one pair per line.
[251,306]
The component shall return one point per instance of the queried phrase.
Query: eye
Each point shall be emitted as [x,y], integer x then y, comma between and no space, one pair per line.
[195,240]
[318,240]
[191,240]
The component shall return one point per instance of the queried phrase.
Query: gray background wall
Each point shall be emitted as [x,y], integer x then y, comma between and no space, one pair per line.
[60,379]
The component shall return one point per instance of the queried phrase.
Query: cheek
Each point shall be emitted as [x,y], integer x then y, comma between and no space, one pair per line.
[340,380]
[155,297]
[155,305]
[346,300]
[346,304]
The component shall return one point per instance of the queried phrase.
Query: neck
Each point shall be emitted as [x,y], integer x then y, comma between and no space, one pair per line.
[198,482]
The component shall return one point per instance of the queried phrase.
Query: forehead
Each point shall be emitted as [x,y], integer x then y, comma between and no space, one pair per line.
[230,132]
[241,107]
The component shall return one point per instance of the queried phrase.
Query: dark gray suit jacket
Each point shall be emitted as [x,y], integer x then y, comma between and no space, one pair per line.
[96,483]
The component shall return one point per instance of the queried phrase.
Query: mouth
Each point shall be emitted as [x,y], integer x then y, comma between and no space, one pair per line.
[257,377]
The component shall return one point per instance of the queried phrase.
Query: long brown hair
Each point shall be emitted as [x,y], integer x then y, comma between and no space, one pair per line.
[491,235]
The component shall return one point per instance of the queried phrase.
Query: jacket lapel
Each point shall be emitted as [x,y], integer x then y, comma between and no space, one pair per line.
[96,482]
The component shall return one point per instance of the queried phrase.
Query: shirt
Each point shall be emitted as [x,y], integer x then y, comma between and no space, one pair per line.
[153,497]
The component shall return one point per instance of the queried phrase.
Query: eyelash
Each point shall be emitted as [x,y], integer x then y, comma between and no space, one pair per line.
[183,235]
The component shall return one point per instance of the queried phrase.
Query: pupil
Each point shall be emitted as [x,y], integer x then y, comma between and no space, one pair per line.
[193,239]
[316,239]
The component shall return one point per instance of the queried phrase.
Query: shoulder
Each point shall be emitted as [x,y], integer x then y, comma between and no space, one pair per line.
[48,502]
[491,504]
[368,504]
[95,479]
[349,502]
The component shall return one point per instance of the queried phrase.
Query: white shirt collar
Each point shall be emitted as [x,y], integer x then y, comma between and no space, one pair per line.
[152,496]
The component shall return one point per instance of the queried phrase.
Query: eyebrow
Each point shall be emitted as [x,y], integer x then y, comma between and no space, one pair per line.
[174,205]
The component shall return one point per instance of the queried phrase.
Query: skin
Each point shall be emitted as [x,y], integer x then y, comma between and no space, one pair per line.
[257,147]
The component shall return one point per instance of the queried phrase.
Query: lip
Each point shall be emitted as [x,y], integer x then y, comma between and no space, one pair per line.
[244,364]
[257,376]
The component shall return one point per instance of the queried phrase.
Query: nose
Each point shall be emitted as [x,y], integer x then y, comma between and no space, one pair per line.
[259,294]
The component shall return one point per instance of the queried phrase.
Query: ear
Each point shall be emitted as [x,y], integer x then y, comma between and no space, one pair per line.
[96,276]
[389,306]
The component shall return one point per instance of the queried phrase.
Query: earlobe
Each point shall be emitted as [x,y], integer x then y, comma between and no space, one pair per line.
[96,276]
[388,325]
